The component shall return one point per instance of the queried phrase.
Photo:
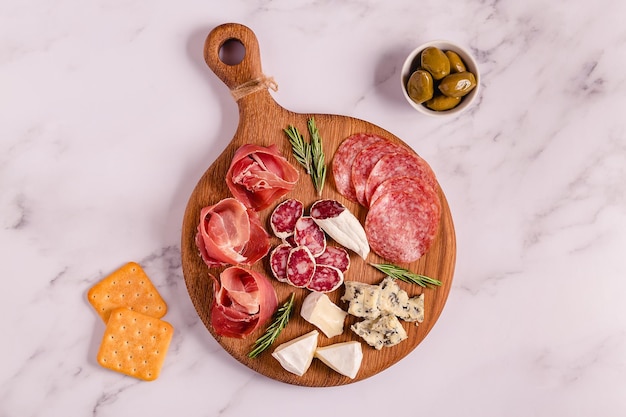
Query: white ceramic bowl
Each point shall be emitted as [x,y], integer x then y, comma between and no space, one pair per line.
[412,62]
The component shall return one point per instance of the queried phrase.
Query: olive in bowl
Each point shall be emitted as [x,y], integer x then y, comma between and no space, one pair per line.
[440,78]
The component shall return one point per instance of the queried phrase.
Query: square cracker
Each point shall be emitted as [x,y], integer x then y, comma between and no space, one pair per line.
[135,344]
[128,287]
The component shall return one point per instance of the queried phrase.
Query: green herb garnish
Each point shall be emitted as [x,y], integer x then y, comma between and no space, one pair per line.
[405,275]
[281,318]
[309,155]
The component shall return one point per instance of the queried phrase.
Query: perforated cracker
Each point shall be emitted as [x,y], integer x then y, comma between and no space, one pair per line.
[128,287]
[135,344]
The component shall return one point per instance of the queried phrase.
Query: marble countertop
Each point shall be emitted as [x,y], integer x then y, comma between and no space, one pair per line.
[109,115]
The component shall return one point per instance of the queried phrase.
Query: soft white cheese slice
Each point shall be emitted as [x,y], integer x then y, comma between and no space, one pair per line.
[297,354]
[344,358]
[318,310]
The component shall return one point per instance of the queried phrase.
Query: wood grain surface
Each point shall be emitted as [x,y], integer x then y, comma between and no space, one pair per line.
[262,122]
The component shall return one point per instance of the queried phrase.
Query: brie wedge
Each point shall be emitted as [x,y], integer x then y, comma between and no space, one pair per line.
[344,358]
[318,310]
[297,354]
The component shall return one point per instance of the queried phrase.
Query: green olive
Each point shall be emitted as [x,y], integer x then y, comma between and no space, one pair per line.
[420,86]
[456,63]
[457,84]
[442,103]
[436,62]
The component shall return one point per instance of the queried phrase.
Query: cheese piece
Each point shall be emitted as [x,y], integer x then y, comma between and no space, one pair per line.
[415,310]
[395,300]
[318,310]
[296,355]
[346,230]
[363,299]
[385,330]
[344,358]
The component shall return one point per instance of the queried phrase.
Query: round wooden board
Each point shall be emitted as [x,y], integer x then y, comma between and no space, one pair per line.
[262,122]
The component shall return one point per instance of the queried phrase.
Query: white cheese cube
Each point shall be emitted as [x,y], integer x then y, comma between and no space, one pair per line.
[385,330]
[344,358]
[318,310]
[297,354]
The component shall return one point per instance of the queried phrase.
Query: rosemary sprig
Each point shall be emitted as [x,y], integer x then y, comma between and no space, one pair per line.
[318,160]
[405,275]
[309,154]
[281,318]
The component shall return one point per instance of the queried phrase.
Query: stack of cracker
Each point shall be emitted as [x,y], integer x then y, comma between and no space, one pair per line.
[135,340]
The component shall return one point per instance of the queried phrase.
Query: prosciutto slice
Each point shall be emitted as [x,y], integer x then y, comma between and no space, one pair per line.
[243,300]
[258,176]
[229,233]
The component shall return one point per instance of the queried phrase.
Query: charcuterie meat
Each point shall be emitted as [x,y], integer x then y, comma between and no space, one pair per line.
[324,209]
[243,300]
[278,261]
[365,161]
[325,279]
[258,176]
[284,217]
[229,233]
[398,165]
[401,227]
[300,266]
[309,234]
[341,225]
[410,185]
[344,158]
[334,256]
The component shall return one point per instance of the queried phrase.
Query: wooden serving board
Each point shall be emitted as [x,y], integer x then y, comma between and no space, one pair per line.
[262,122]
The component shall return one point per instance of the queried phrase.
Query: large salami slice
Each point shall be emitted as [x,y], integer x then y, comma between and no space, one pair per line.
[325,279]
[284,217]
[410,185]
[401,227]
[343,159]
[398,165]
[365,161]
[300,266]
[309,234]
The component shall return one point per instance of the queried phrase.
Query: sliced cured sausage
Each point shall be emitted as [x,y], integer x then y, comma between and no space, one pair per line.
[284,217]
[325,279]
[309,234]
[344,158]
[258,176]
[278,261]
[243,300]
[401,227]
[365,161]
[398,165]
[334,256]
[300,266]
[229,233]
[410,185]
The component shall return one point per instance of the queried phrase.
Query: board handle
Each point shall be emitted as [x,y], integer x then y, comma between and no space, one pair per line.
[241,76]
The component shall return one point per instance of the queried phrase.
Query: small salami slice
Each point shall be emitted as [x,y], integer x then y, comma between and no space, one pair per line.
[284,217]
[343,159]
[325,279]
[401,227]
[398,165]
[278,261]
[334,256]
[309,234]
[300,266]
[365,161]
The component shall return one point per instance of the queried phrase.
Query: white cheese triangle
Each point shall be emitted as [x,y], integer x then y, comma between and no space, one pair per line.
[344,358]
[297,354]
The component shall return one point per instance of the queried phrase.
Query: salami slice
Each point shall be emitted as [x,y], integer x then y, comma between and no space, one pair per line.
[325,279]
[278,261]
[343,159]
[284,217]
[410,185]
[398,165]
[401,227]
[365,161]
[334,256]
[300,266]
[309,234]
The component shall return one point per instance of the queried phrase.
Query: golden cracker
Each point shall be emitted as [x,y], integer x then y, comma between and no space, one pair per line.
[135,344]
[128,287]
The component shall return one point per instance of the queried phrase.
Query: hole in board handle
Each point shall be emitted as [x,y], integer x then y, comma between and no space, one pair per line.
[232,52]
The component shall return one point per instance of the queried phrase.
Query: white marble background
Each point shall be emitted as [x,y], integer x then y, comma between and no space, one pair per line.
[108,116]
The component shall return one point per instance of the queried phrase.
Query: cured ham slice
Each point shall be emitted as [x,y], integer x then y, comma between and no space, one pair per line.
[243,300]
[228,233]
[258,176]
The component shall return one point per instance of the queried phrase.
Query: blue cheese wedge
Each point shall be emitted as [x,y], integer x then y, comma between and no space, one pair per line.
[395,300]
[297,354]
[344,358]
[318,310]
[380,332]
[363,299]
